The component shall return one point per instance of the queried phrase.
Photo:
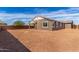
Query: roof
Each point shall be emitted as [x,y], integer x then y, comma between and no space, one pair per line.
[41,17]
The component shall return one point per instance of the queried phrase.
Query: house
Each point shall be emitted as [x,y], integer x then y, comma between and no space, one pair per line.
[40,22]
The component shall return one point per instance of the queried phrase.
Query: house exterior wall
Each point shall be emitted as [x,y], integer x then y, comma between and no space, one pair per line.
[39,25]
[52,25]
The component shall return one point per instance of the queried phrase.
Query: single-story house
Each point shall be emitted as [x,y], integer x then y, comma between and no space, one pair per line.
[40,22]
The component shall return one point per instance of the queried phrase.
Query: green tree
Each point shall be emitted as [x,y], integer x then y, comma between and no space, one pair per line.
[19,23]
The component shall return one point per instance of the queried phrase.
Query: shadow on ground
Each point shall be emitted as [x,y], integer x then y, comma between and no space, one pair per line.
[8,43]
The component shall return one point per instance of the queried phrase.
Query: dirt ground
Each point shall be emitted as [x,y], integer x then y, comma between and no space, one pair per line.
[45,40]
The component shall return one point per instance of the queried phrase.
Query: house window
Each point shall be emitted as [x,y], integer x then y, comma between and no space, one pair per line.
[45,24]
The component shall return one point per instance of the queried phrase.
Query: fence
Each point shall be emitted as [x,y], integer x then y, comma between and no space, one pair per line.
[16,27]
[28,27]
[75,26]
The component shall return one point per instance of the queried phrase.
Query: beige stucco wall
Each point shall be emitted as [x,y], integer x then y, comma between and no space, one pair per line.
[39,25]
[58,25]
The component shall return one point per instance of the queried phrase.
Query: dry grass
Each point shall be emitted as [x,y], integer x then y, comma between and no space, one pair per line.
[45,40]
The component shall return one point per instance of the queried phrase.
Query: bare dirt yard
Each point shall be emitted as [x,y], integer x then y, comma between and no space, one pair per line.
[45,40]
[9,43]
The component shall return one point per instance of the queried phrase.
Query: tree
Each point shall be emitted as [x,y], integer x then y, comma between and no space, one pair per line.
[30,23]
[19,23]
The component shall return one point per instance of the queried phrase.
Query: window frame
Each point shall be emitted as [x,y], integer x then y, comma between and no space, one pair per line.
[43,24]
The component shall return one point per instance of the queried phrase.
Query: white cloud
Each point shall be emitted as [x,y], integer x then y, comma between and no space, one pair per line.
[10,18]
[65,14]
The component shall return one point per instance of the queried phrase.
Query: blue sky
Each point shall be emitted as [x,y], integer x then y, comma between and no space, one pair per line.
[31,10]
[11,14]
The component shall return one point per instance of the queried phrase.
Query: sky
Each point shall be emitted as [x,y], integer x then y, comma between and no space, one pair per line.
[26,14]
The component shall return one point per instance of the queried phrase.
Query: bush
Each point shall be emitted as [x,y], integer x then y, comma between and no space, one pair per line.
[19,23]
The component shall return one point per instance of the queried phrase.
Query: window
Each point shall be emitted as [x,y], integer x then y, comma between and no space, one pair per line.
[45,24]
